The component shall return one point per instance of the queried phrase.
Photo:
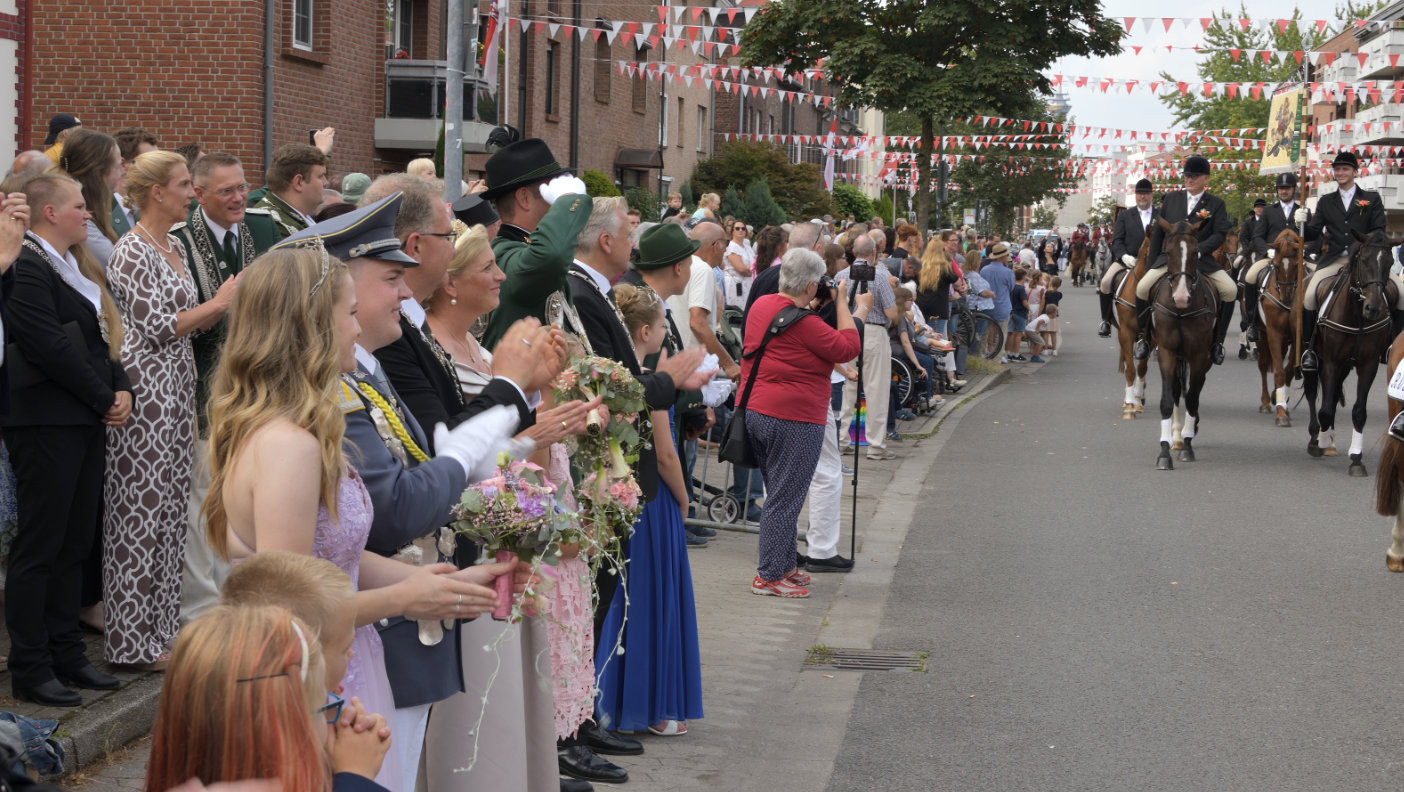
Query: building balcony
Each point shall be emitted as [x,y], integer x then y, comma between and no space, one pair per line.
[1378,51]
[1390,186]
[1343,70]
[416,93]
[1378,124]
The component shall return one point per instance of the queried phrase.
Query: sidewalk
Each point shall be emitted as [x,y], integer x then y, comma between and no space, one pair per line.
[753,648]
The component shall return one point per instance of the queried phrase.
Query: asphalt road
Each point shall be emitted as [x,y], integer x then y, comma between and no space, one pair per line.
[1095,624]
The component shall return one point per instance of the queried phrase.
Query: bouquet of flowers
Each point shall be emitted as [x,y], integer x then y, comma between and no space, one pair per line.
[608,496]
[615,441]
[513,515]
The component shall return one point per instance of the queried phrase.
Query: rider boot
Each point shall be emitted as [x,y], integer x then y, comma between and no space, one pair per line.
[1141,350]
[1308,330]
[1250,311]
[1107,302]
[1216,353]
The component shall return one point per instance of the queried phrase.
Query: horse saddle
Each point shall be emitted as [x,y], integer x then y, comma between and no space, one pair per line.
[1327,291]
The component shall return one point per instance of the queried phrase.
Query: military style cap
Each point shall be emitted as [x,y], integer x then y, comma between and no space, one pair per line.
[473,210]
[1196,166]
[368,232]
[1286,180]
[1259,202]
[1144,186]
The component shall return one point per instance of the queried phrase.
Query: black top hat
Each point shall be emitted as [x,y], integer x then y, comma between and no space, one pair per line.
[1346,158]
[1196,166]
[521,164]
[664,245]
[1144,186]
[1286,180]
[58,124]
[1259,202]
[473,210]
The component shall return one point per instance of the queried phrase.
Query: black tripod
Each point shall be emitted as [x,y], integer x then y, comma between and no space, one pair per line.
[859,287]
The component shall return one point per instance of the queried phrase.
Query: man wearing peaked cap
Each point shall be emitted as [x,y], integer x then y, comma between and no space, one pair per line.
[1129,232]
[1277,217]
[1349,209]
[411,491]
[544,207]
[1194,204]
[472,209]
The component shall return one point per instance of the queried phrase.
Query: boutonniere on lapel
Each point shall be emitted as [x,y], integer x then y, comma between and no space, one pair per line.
[1362,203]
[1202,213]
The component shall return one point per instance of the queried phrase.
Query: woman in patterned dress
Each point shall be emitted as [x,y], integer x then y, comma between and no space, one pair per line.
[147,490]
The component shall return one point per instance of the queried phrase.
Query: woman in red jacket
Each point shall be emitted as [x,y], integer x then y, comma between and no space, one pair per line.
[788,408]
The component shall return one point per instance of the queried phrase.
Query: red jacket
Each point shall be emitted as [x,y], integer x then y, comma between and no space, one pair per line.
[794,373]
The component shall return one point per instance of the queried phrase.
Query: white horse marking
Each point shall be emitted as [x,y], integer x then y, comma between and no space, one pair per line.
[1182,294]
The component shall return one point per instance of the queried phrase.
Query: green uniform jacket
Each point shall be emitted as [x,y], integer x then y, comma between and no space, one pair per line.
[536,263]
[288,220]
[211,266]
[119,218]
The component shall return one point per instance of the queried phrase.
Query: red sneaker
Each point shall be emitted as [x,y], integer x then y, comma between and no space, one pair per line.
[778,588]
[797,578]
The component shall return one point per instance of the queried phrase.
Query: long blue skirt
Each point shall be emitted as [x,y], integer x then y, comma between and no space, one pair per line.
[659,676]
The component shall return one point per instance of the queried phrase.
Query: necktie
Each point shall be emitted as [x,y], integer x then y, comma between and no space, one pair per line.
[231,248]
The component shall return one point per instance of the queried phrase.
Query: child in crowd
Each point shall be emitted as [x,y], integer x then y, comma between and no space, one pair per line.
[1053,296]
[245,699]
[1037,283]
[1039,333]
[1018,317]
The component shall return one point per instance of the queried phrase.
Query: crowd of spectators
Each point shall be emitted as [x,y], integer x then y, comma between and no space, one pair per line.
[206,383]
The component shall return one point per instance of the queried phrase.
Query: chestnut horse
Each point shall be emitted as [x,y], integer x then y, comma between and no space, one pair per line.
[1276,348]
[1354,329]
[1077,264]
[1184,306]
[1389,481]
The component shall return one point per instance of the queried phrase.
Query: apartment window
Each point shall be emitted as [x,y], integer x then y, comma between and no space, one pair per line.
[552,74]
[701,126]
[302,24]
[663,125]
[681,107]
[399,28]
[640,82]
[604,70]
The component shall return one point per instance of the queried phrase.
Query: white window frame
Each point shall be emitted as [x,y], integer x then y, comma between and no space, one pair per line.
[701,126]
[301,9]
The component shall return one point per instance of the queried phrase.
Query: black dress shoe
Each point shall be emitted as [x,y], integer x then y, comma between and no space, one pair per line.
[50,693]
[577,761]
[575,785]
[88,678]
[601,741]
[835,564]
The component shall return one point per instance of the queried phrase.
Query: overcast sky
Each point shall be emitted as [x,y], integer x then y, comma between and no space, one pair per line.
[1140,109]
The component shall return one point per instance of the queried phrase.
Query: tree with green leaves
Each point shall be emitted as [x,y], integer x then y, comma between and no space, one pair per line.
[849,201]
[797,188]
[1104,210]
[939,60]
[758,208]
[1045,217]
[1229,57]
[731,205]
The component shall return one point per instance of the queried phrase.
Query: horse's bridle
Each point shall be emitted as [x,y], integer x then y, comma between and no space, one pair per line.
[1357,288]
[1188,271]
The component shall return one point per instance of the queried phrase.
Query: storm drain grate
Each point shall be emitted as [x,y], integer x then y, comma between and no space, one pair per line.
[865,659]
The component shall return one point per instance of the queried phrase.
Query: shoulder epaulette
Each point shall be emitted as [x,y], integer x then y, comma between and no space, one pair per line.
[348,399]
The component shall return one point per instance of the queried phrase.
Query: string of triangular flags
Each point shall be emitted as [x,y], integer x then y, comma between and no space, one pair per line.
[1375,90]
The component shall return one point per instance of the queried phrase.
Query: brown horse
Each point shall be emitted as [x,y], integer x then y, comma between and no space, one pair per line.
[1077,264]
[1226,252]
[1133,403]
[1389,481]
[1276,349]
[1354,329]
[1184,306]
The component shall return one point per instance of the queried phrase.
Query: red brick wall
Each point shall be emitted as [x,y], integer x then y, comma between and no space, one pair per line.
[12,28]
[193,71]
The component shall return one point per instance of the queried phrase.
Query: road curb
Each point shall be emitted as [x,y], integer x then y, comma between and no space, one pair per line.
[109,725]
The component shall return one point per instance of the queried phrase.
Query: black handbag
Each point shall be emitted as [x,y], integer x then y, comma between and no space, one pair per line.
[735,447]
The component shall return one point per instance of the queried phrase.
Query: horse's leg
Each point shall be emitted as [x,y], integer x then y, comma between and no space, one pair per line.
[1394,556]
[1311,381]
[1330,394]
[1264,363]
[1128,368]
[1365,371]
[1140,386]
[1168,396]
[1191,428]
